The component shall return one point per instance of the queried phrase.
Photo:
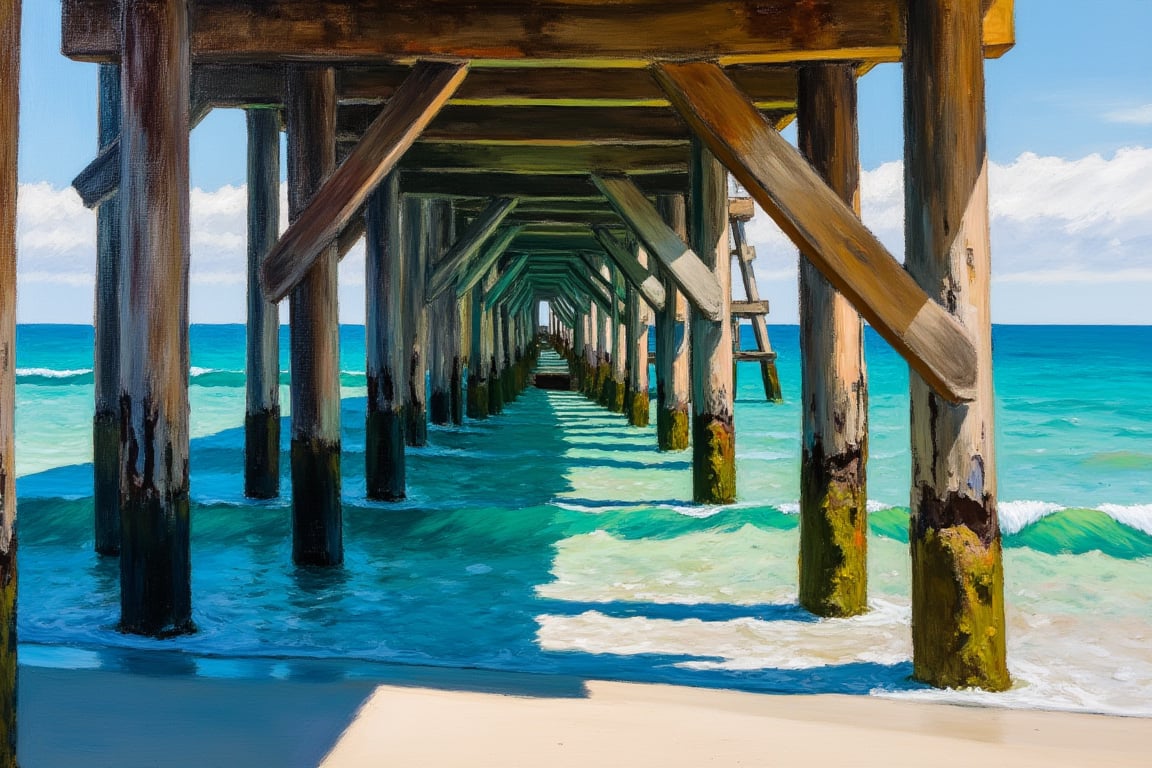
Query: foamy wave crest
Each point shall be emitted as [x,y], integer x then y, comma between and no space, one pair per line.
[793,507]
[52,373]
[1138,516]
[1015,516]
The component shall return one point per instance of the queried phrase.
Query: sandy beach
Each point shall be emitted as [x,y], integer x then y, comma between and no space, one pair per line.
[444,717]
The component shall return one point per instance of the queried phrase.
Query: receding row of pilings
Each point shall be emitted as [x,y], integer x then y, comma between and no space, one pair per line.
[141,357]
[957,575]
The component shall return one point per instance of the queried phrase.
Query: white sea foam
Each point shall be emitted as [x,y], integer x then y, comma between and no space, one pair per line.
[793,507]
[1015,516]
[53,373]
[1138,516]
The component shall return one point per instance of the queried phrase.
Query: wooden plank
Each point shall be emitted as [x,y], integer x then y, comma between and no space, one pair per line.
[480,267]
[344,192]
[772,87]
[826,230]
[10,26]
[749,308]
[636,273]
[262,350]
[462,251]
[741,208]
[954,529]
[546,159]
[737,31]
[536,125]
[155,551]
[314,342]
[106,322]
[576,187]
[754,355]
[685,268]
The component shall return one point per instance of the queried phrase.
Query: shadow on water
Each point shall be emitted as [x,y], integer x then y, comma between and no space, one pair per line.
[448,578]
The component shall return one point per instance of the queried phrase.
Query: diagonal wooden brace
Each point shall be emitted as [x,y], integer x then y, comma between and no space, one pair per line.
[452,266]
[479,268]
[650,287]
[515,269]
[825,229]
[688,272]
[416,102]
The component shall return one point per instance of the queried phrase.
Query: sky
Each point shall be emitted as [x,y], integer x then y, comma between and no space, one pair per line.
[1069,140]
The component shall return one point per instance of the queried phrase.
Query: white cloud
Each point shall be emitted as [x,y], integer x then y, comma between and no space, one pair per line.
[1141,115]
[1080,222]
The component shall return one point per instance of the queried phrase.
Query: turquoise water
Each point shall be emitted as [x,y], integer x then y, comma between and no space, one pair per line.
[554,538]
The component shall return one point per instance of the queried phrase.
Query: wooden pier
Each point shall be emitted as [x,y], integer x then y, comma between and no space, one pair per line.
[567,152]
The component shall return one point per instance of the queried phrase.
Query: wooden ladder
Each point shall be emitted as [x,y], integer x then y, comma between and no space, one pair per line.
[740,210]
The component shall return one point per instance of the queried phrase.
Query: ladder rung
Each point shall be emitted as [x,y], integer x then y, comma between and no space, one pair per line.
[749,308]
[740,208]
[755,355]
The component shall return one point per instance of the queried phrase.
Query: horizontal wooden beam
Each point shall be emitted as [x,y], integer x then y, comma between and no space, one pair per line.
[344,192]
[574,187]
[749,308]
[690,274]
[741,208]
[825,229]
[469,158]
[452,266]
[650,287]
[479,267]
[753,355]
[536,125]
[734,31]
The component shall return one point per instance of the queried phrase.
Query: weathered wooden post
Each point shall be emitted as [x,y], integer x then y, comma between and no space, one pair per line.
[443,326]
[833,496]
[577,358]
[478,357]
[495,380]
[605,345]
[106,360]
[591,351]
[673,384]
[262,409]
[317,536]
[415,228]
[387,359]
[508,353]
[620,344]
[957,572]
[155,566]
[637,397]
[713,423]
[9,142]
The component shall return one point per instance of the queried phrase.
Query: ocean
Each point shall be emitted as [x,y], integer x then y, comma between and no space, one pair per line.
[554,538]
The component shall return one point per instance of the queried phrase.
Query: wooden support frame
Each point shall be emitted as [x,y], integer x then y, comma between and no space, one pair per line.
[644,281]
[673,383]
[466,246]
[681,263]
[935,345]
[343,194]
[443,322]
[511,274]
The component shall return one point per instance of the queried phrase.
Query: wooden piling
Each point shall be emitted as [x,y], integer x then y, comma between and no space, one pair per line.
[262,409]
[414,224]
[508,353]
[713,423]
[637,398]
[477,358]
[443,320]
[317,537]
[155,565]
[619,336]
[387,359]
[834,389]
[9,143]
[958,630]
[495,381]
[673,384]
[106,322]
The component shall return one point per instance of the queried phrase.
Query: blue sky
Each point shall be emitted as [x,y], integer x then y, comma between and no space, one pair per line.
[1069,134]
